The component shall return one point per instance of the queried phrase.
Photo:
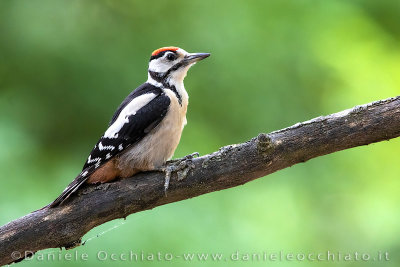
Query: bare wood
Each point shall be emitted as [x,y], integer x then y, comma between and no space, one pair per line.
[231,166]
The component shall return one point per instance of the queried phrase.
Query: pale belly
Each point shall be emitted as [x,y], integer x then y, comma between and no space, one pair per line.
[159,145]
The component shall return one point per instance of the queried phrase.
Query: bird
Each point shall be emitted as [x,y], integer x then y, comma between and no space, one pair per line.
[146,128]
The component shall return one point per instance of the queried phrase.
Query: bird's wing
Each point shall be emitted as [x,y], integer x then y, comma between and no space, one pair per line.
[131,125]
[132,121]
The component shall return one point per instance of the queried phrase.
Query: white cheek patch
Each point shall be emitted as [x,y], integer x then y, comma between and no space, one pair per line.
[161,65]
[130,109]
[158,65]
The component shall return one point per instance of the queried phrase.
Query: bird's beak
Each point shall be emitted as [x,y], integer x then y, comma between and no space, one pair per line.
[194,57]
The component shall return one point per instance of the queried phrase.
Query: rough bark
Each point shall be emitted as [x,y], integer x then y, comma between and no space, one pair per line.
[231,166]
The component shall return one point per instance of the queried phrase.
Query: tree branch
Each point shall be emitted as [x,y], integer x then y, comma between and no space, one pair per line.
[231,166]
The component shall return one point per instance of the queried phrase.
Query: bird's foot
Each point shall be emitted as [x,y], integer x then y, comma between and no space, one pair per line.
[180,166]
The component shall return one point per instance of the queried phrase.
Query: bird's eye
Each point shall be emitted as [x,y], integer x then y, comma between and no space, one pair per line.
[171,56]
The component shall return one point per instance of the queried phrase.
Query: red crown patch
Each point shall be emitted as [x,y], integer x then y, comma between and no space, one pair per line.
[168,48]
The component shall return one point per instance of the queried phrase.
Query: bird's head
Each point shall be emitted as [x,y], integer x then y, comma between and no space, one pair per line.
[172,63]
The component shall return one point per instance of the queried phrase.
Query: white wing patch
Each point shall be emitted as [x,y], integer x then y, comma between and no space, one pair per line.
[130,109]
[97,160]
[110,147]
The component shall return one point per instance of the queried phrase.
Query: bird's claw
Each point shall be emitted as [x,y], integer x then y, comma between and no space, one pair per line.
[185,158]
[180,166]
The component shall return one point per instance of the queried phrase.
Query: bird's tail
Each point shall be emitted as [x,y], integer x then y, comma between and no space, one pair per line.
[72,187]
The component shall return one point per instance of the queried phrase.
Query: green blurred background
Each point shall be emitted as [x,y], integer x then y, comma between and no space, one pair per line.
[66,65]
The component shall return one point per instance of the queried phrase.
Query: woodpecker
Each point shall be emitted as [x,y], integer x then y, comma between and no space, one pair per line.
[147,126]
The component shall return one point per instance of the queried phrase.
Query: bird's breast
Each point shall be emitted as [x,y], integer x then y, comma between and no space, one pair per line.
[159,145]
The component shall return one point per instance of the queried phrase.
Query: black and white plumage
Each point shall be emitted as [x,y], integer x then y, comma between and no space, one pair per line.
[146,128]
[138,114]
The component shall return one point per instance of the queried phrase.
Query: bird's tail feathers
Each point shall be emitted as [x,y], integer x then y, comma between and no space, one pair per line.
[72,187]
